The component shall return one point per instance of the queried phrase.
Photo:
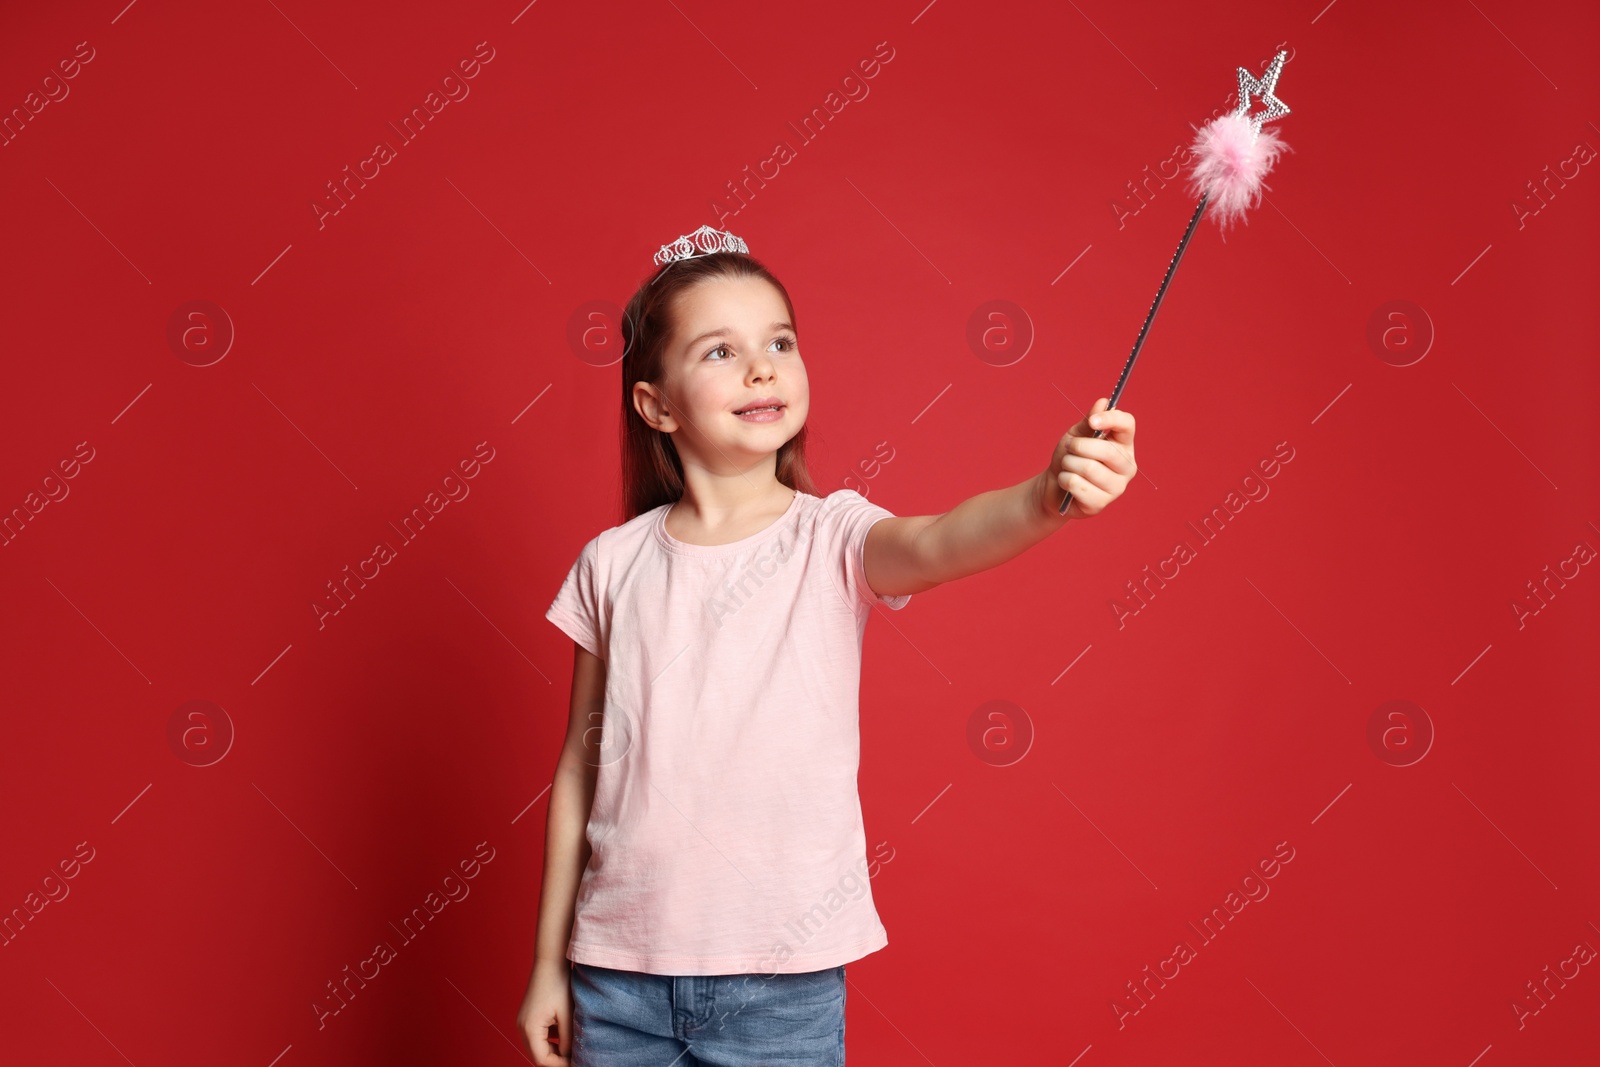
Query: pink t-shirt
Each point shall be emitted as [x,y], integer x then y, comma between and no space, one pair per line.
[726,830]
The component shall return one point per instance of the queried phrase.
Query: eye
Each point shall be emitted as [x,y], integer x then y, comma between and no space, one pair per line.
[788,341]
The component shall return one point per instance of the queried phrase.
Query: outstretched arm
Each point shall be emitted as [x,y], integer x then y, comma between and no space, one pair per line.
[908,554]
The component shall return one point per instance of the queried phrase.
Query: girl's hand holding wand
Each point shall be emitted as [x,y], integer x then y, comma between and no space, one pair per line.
[1093,462]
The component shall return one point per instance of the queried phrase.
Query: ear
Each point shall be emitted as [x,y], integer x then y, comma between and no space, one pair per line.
[651,405]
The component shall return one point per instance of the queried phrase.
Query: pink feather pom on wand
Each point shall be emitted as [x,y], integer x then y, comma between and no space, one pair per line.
[1232,155]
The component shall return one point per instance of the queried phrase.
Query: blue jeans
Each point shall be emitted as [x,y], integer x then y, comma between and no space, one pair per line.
[631,1019]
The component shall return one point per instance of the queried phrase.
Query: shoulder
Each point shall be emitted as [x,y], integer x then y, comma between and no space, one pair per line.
[617,542]
[842,519]
[846,506]
[628,534]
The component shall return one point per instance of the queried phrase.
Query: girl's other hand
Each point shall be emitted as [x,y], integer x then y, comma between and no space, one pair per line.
[1095,470]
[549,1002]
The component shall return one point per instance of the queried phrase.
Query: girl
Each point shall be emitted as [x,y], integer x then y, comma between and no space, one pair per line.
[705,860]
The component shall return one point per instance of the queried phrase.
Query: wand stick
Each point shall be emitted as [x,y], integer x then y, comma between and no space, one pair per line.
[1232,155]
[1127,367]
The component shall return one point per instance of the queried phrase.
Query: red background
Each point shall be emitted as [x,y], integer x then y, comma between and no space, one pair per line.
[365,354]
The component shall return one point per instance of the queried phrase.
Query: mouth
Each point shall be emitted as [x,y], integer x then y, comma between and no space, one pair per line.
[761,409]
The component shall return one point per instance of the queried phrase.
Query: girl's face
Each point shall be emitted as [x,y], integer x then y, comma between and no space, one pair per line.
[732,348]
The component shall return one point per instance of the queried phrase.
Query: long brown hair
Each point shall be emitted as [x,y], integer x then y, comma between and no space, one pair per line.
[652,473]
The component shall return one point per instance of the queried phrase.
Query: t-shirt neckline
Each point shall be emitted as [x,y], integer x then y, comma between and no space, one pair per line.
[672,544]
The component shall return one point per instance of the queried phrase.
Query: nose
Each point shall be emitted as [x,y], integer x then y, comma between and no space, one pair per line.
[761,366]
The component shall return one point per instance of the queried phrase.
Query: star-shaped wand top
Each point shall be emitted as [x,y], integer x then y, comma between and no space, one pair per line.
[1263,89]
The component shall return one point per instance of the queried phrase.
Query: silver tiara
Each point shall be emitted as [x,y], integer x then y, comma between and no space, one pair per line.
[706,240]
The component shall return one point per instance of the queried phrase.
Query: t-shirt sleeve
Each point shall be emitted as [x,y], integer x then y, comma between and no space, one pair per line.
[854,515]
[576,608]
